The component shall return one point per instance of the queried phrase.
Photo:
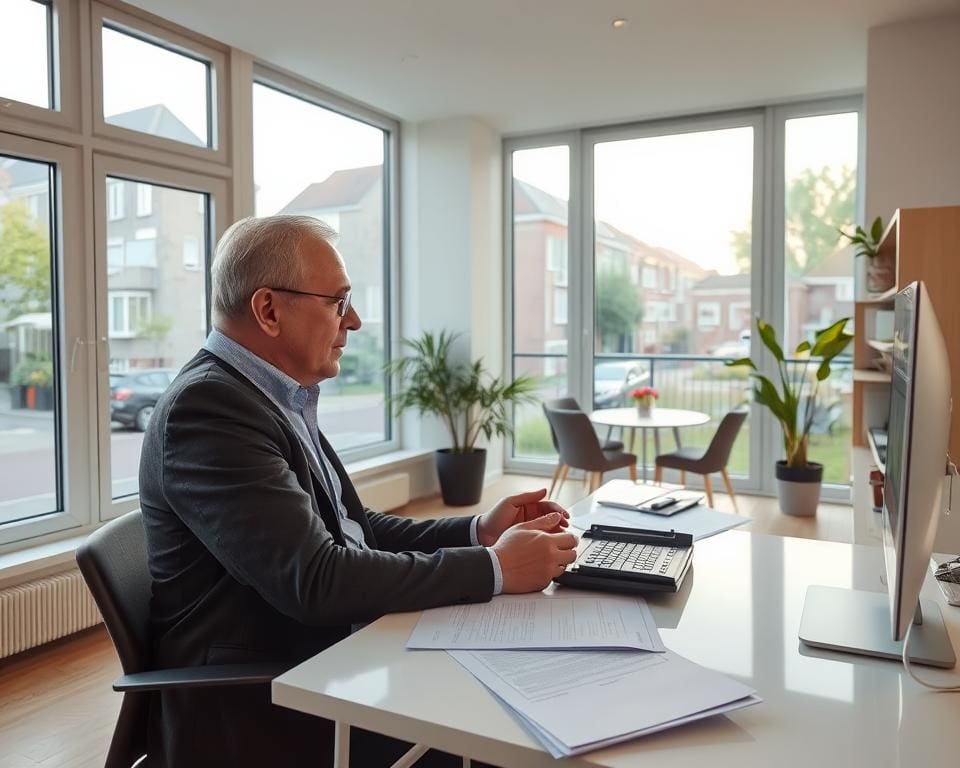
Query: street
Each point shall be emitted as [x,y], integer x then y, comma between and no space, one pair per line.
[27,466]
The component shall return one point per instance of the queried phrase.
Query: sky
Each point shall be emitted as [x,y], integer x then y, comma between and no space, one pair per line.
[688,192]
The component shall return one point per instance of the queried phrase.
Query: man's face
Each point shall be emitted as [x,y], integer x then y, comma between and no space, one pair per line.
[317,335]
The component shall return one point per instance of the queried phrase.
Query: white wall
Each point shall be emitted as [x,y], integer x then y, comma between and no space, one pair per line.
[913,116]
[451,265]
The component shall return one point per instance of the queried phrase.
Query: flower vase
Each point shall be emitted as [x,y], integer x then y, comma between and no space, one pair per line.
[645,407]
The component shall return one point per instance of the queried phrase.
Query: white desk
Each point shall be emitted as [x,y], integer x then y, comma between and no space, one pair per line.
[659,418]
[738,613]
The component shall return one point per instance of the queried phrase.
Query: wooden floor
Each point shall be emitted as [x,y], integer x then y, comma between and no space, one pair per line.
[57,707]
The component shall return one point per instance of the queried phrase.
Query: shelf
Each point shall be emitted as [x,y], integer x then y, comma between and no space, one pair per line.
[870,376]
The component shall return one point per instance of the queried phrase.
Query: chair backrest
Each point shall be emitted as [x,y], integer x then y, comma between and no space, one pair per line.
[113,561]
[559,404]
[577,443]
[718,452]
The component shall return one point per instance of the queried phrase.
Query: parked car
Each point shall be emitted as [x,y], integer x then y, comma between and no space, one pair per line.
[134,394]
[735,349]
[613,381]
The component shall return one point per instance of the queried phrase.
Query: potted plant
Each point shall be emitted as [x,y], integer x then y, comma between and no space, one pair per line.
[467,398]
[794,406]
[32,380]
[881,271]
[644,398]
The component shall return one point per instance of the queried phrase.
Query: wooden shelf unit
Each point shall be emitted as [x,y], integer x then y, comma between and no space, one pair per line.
[925,245]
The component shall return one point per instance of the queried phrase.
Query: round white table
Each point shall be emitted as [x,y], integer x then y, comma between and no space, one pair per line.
[659,418]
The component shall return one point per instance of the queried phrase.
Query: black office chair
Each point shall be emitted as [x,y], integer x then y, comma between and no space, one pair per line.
[703,461]
[113,561]
[568,404]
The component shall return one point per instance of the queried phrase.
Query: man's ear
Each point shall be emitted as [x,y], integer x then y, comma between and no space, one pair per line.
[266,313]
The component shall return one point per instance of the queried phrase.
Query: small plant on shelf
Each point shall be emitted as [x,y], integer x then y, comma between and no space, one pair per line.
[880,270]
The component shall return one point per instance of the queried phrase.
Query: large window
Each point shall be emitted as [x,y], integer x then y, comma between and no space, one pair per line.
[26,55]
[820,195]
[107,233]
[29,433]
[155,90]
[540,188]
[341,180]
[154,296]
[682,248]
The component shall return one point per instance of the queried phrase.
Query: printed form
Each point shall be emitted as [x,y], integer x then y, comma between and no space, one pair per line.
[626,694]
[541,622]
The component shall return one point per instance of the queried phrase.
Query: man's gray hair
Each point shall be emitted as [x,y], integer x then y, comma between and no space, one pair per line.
[257,252]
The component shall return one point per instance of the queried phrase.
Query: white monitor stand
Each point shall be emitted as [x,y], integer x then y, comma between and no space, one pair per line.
[855,621]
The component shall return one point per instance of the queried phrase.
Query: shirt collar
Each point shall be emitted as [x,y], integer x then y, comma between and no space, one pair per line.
[284,390]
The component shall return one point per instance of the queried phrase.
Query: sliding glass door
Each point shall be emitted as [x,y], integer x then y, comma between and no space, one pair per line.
[642,254]
[672,229]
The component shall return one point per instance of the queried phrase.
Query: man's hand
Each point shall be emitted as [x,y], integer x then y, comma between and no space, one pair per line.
[518,509]
[530,556]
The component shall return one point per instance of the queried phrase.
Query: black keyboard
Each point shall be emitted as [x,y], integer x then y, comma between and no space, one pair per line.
[621,556]
[879,438]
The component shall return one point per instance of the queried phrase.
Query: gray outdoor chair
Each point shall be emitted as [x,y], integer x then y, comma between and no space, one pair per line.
[704,461]
[569,404]
[579,447]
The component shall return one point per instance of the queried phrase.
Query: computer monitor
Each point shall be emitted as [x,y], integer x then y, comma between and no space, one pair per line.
[918,428]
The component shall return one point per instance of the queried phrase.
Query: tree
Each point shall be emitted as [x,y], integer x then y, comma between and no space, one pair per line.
[24,261]
[818,203]
[619,309]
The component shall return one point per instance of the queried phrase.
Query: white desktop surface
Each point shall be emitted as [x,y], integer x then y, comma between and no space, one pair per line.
[738,612]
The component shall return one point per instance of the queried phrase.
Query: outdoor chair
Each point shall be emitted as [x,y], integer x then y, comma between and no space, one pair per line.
[704,461]
[579,447]
[569,404]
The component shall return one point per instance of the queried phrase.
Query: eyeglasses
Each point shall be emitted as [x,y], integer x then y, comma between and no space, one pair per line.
[343,302]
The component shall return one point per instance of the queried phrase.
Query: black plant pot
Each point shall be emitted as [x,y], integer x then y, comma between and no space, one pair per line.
[461,476]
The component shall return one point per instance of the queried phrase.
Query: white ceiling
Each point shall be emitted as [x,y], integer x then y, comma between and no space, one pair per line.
[530,65]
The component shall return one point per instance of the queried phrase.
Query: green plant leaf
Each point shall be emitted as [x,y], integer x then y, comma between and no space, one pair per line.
[876,230]
[803,346]
[769,337]
[742,361]
[823,371]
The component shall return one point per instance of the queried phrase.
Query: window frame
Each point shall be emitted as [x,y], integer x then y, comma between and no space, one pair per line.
[65,83]
[766,279]
[194,47]
[273,77]
[216,222]
[73,345]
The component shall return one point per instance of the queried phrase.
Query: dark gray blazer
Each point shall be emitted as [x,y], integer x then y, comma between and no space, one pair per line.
[249,564]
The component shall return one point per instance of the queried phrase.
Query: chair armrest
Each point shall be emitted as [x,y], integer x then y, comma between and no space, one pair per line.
[200,677]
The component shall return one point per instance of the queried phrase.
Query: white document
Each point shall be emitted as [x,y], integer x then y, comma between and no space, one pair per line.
[627,693]
[540,621]
[700,521]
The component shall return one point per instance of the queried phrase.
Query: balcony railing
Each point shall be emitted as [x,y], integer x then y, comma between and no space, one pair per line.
[698,383]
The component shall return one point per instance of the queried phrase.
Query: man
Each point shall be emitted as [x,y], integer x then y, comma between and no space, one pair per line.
[258,545]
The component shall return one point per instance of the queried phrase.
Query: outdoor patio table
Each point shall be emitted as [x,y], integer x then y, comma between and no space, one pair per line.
[629,418]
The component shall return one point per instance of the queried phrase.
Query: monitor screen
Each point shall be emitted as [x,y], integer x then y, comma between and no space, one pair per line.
[918,431]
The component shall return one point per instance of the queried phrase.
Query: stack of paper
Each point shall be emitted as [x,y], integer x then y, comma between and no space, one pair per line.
[627,693]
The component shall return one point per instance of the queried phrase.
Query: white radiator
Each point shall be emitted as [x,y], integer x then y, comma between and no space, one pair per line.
[43,610]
